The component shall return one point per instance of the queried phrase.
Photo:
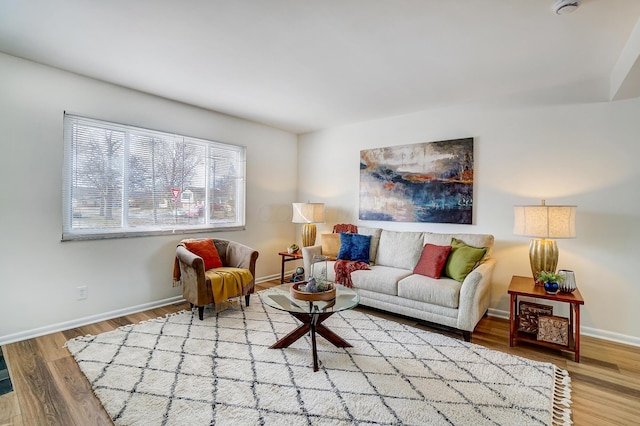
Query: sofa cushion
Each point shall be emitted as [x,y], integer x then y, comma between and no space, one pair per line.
[381,279]
[462,260]
[443,292]
[330,245]
[475,240]
[432,260]
[410,308]
[400,249]
[375,241]
[206,250]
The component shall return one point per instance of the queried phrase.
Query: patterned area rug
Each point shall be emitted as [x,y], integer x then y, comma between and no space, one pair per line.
[180,370]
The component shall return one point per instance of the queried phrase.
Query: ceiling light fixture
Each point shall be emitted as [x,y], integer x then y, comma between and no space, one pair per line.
[563,7]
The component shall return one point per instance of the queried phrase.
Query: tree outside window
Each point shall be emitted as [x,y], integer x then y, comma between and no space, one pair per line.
[121,180]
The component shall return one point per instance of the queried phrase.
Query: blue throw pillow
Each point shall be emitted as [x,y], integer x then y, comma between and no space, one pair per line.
[360,245]
[345,246]
[354,247]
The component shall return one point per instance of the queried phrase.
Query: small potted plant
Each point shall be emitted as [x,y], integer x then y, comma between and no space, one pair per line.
[293,248]
[551,281]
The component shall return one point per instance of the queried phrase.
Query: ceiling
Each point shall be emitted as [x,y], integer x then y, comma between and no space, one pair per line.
[305,65]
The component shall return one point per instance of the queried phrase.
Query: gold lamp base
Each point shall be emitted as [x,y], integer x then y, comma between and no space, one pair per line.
[308,234]
[543,255]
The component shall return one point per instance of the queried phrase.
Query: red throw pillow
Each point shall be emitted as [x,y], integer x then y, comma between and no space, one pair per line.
[432,260]
[207,251]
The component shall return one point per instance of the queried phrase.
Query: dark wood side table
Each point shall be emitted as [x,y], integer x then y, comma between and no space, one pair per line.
[288,257]
[525,286]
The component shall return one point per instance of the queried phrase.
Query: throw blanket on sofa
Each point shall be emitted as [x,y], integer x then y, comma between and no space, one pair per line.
[344,268]
[228,282]
[345,227]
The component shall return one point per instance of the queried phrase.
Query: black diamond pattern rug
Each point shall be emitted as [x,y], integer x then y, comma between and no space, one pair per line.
[180,370]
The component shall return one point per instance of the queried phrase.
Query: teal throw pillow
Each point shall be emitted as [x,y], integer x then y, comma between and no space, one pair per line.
[462,259]
[354,247]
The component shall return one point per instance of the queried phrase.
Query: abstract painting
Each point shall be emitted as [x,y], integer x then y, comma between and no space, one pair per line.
[424,182]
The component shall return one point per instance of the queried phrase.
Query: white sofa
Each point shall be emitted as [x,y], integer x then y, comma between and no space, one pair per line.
[391,285]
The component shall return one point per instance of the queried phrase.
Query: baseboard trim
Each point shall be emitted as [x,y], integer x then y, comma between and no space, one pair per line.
[54,328]
[267,278]
[586,331]
[611,336]
[496,313]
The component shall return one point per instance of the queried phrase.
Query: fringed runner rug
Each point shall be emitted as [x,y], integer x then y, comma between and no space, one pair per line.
[180,370]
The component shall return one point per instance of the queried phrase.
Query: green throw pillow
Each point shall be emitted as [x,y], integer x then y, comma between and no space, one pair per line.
[462,259]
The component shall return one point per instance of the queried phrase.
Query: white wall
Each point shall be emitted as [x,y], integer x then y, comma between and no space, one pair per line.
[38,273]
[585,154]
[576,154]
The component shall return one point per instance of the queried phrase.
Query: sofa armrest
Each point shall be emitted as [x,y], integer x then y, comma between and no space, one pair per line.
[307,256]
[475,295]
[189,260]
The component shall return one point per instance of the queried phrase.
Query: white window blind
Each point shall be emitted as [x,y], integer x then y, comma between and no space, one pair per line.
[122,181]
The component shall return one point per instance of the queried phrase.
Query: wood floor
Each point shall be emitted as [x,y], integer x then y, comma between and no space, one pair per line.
[49,388]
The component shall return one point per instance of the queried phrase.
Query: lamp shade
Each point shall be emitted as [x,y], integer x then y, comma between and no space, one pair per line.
[308,213]
[544,221]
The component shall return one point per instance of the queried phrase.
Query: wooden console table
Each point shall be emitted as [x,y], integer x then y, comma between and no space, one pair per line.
[525,286]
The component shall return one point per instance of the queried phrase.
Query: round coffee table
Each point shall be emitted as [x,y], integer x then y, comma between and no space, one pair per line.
[311,314]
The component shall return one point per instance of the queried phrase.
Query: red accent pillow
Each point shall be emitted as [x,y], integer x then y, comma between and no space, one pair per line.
[432,260]
[207,251]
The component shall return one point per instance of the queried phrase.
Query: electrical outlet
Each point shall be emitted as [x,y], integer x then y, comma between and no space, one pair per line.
[81,292]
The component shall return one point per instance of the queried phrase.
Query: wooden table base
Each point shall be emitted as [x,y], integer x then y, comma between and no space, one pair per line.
[311,323]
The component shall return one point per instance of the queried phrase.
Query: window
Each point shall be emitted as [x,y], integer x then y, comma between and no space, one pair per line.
[125,181]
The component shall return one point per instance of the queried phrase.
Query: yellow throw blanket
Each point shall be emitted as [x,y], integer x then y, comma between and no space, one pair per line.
[227,282]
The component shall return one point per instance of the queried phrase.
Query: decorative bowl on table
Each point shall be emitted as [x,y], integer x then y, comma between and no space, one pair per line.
[298,292]
[551,288]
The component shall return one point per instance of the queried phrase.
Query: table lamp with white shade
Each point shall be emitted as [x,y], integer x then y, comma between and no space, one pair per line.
[308,214]
[545,224]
